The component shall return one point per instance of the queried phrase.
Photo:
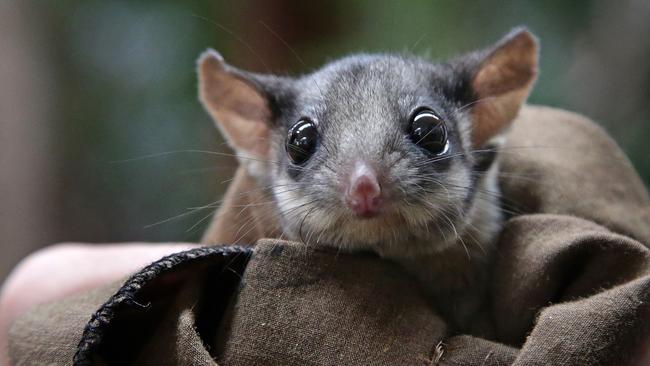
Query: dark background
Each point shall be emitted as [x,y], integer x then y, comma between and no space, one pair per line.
[88,84]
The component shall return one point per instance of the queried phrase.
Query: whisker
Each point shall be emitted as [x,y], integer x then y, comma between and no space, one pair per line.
[232,34]
[472,103]
[294,53]
[413,47]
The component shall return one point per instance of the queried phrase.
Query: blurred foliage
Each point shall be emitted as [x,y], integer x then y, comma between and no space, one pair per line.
[125,87]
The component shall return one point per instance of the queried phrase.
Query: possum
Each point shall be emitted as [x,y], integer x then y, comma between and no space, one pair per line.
[386,153]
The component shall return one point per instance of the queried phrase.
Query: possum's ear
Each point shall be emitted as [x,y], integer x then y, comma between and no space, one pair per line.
[501,81]
[237,102]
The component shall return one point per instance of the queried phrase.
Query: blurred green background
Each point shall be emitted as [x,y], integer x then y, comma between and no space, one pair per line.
[88,84]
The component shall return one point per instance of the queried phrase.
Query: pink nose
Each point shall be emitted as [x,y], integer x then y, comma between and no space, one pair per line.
[363,195]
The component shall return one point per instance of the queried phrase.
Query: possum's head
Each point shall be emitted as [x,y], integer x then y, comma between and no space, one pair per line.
[371,151]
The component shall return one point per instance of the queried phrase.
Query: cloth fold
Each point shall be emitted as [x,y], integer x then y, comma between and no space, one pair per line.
[570,283]
[312,305]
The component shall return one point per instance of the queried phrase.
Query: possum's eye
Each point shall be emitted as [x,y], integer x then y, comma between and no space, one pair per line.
[301,141]
[429,132]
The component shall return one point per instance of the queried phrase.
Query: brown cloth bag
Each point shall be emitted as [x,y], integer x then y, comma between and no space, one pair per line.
[570,286]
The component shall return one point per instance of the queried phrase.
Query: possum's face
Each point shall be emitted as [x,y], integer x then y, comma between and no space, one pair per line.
[373,151]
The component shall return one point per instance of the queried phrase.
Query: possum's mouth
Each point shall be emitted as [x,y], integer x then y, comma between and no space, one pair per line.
[387,232]
[398,224]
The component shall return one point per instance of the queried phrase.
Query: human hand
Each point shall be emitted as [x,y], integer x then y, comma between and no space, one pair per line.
[61,270]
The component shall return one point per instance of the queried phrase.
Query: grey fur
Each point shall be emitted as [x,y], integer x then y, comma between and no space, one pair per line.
[362,105]
[443,213]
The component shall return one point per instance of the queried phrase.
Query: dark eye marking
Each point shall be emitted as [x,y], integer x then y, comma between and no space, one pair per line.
[428,131]
[302,140]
